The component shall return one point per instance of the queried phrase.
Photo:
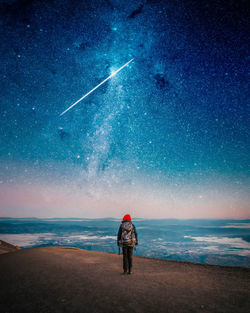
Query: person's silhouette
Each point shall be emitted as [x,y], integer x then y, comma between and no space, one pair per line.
[127,239]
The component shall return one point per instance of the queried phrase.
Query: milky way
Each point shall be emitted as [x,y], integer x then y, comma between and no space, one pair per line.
[166,137]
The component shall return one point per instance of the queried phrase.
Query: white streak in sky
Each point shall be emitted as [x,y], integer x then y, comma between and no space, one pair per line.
[113,74]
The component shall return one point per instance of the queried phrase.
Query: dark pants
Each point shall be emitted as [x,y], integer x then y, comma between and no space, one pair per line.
[127,258]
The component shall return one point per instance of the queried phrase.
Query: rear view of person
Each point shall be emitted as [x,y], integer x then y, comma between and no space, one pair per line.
[127,239]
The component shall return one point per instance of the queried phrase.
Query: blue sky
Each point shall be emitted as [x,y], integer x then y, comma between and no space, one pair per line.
[166,137]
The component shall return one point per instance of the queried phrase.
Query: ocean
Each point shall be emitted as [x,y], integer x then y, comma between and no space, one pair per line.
[221,242]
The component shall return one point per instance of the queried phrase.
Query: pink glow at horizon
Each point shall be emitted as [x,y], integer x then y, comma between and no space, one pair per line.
[60,201]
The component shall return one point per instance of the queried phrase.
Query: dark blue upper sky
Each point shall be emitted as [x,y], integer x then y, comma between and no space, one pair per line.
[177,115]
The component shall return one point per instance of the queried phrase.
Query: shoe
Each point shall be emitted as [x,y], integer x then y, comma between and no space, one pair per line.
[130,272]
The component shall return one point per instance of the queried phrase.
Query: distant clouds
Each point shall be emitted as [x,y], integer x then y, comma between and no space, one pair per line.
[224,245]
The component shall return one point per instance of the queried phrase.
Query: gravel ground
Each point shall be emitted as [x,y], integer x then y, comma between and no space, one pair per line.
[63,279]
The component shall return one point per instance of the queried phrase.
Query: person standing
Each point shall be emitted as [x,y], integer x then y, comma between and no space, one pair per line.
[127,239]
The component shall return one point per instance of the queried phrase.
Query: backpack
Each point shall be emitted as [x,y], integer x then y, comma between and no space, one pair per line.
[128,234]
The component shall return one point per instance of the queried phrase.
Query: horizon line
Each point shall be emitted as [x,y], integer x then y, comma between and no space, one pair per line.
[117,218]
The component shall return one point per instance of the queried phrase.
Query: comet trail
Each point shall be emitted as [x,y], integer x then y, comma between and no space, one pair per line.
[113,74]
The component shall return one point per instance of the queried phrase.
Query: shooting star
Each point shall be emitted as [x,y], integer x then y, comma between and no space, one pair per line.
[113,74]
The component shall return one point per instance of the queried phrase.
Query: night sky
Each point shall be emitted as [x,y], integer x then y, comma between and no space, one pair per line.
[166,137]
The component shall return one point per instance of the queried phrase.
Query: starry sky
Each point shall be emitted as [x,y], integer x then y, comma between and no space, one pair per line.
[167,137]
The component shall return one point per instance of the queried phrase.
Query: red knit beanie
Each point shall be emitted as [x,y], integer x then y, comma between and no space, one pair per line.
[127,217]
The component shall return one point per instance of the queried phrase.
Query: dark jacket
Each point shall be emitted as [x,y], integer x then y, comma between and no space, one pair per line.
[120,233]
